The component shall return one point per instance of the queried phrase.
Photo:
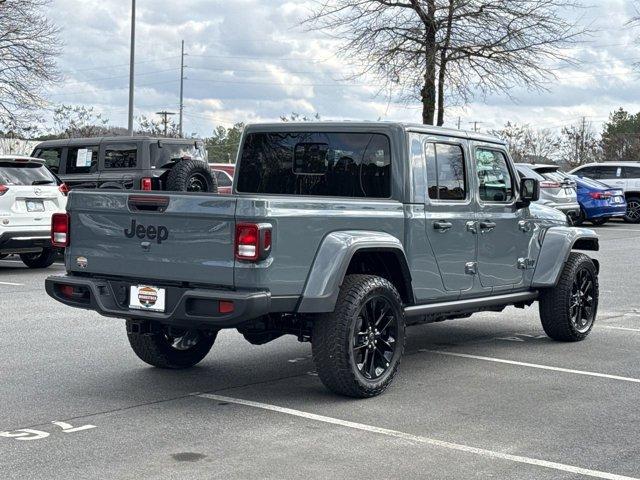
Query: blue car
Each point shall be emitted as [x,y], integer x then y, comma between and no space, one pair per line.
[599,202]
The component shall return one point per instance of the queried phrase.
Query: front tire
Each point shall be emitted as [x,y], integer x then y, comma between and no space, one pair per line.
[42,259]
[358,347]
[633,210]
[173,348]
[568,310]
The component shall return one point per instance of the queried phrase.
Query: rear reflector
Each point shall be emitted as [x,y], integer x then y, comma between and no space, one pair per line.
[66,291]
[549,184]
[225,306]
[60,230]
[145,184]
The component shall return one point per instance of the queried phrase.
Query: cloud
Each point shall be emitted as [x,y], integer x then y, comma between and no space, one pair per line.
[249,60]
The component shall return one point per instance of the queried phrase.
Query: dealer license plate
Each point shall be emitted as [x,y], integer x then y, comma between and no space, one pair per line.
[35,206]
[147,297]
[616,199]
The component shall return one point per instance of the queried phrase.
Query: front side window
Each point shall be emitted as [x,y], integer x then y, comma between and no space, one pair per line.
[82,159]
[631,172]
[120,156]
[51,157]
[446,176]
[316,163]
[494,178]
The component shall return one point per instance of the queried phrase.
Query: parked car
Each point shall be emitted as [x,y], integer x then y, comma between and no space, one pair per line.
[338,233]
[557,193]
[598,202]
[624,176]
[29,195]
[129,163]
[224,173]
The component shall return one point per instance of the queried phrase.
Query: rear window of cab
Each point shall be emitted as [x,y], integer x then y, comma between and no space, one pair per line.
[316,163]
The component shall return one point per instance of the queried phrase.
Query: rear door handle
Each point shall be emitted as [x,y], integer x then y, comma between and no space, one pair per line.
[442,225]
[486,226]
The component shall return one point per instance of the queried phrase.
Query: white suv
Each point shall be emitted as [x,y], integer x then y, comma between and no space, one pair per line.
[622,175]
[29,195]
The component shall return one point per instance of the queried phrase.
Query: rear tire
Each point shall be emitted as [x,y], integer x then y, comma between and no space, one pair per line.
[568,310]
[42,259]
[580,218]
[633,210]
[191,176]
[171,348]
[358,347]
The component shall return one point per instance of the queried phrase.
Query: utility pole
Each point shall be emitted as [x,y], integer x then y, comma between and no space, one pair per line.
[583,134]
[458,123]
[181,88]
[132,54]
[165,119]
[475,125]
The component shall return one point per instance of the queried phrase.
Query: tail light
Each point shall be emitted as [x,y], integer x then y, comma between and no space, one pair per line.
[599,195]
[146,184]
[253,241]
[549,184]
[64,189]
[3,189]
[60,230]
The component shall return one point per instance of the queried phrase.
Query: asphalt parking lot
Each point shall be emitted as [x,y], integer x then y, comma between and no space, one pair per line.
[485,397]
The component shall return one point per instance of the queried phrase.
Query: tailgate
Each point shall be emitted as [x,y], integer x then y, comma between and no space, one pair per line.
[176,237]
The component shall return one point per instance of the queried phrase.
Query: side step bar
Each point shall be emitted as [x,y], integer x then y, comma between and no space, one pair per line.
[470,304]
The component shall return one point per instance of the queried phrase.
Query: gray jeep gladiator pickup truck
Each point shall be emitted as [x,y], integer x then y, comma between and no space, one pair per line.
[339,233]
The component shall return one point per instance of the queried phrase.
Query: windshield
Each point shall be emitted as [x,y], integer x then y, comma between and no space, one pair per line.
[25,174]
[316,163]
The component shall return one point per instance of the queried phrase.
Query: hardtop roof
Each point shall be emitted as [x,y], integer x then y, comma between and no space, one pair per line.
[63,142]
[345,125]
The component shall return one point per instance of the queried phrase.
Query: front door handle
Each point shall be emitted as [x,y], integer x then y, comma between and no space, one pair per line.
[442,225]
[486,226]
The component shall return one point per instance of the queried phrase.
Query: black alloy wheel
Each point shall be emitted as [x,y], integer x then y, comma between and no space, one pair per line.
[582,309]
[374,338]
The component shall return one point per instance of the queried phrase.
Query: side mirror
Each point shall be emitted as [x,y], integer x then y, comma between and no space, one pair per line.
[529,192]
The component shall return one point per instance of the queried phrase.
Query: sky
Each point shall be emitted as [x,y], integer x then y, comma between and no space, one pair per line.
[250,60]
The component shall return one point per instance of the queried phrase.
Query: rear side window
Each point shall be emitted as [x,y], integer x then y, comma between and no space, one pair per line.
[82,159]
[631,172]
[446,175]
[51,157]
[120,156]
[494,177]
[316,163]
[25,174]
[222,178]
[589,172]
[606,172]
[165,153]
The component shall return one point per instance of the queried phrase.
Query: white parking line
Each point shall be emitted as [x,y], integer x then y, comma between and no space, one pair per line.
[534,365]
[628,329]
[13,284]
[419,439]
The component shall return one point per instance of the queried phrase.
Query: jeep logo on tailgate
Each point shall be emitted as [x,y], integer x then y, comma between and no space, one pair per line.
[159,233]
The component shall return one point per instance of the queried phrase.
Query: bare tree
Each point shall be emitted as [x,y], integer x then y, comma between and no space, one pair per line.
[157,128]
[73,121]
[300,117]
[579,144]
[450,50]
[28,47]
[530,145]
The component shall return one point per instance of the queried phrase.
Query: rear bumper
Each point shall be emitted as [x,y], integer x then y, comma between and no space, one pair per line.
[605,211]
[24,241]
[197,307]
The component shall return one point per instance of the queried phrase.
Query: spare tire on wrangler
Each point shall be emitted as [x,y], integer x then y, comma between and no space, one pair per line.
[191,176]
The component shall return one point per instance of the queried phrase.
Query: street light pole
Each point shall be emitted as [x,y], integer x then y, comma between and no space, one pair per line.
[181,87]
[131,64]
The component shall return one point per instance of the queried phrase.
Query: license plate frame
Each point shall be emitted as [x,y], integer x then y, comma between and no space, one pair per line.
[34,206]
[148,298]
